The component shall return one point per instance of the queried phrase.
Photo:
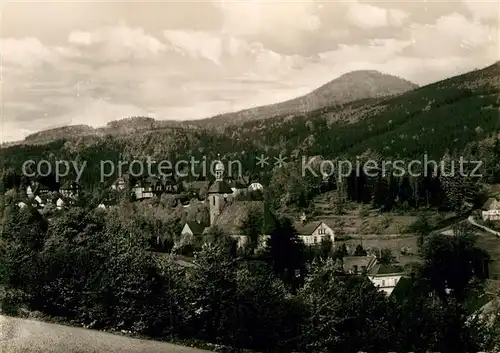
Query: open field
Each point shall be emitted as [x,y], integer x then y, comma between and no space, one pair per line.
[393,243]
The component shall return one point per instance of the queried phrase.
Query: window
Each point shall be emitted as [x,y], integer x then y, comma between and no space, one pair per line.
[315,240]
[355,268]
[213,200]
[383,283]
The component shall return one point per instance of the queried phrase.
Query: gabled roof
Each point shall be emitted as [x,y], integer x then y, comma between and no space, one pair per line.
[38,187]
[403,289]
[488,205]
[196,228]
[233,215]
[220,187]
[386,270]
[306,228]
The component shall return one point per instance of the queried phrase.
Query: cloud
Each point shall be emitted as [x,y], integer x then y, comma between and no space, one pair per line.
[367,16]
[237,55]
[116,43]
[25,52]
[483,10]
[451,35]
[397,17]
[254,17]
[196,44]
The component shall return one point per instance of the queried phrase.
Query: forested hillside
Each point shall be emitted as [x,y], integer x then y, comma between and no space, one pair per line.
[448,116]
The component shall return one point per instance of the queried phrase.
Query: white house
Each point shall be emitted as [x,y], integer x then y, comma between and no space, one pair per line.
[385,277]
[314,232]
[59,204]
[22,205]
[39,201]
[491,210]
[142,190]
[29,192]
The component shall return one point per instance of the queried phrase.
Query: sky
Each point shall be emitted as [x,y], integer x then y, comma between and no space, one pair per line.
[91,62]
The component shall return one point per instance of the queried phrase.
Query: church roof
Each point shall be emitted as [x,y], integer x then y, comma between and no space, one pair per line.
[232,216]
[220,187]
[198,186]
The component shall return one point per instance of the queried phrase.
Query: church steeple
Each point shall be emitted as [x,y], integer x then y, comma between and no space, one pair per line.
[218,193]
[219,171]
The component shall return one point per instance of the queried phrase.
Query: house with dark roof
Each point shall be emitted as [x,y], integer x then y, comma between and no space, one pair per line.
[231,219]
[314,232]
[383,276]
[386,277]
[41,187]
[491,210]
[144,188]
[189,232]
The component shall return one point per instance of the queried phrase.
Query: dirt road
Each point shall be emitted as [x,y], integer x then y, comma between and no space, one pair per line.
[20,335]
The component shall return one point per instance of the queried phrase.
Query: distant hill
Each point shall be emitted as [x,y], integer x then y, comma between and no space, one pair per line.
[113,128]
[453,115]
[352,86]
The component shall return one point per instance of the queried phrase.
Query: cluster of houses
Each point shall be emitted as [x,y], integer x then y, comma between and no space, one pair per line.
[227,212]
[40,195]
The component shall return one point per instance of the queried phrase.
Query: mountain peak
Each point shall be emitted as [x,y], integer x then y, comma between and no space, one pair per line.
[349,87]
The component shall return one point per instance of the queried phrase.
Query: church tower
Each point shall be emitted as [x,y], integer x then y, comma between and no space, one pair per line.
[218,193]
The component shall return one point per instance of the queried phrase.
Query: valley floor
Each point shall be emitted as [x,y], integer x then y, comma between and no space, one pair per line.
[29,336]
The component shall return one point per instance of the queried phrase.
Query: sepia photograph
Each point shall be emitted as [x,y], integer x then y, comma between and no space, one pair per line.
[252,176]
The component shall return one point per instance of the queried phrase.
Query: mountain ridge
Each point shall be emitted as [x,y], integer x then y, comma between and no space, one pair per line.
[346,88]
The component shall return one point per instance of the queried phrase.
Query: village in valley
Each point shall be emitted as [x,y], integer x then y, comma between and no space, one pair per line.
[225,203]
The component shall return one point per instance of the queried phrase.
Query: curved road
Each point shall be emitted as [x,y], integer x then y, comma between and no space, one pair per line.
[489,230]
[29,336]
